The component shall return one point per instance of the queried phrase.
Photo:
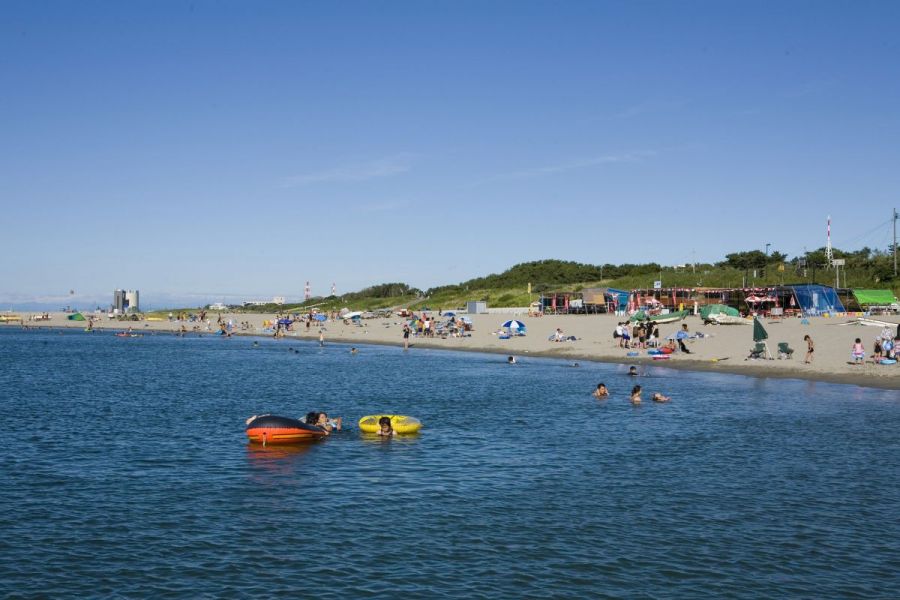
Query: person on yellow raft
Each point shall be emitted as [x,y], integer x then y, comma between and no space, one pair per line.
[389,425]
[385,428]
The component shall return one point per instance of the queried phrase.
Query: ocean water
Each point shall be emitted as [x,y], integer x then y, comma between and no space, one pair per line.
[124,472]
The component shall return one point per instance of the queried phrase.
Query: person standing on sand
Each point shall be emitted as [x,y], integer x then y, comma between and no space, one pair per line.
[406,337]
[809,349]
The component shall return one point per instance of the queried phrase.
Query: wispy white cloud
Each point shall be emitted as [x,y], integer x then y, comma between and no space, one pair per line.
[579,163]
[382,207]
[382,167]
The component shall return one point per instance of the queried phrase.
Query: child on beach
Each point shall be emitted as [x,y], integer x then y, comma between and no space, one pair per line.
[809,349]
[636,394]
[858,352]
[601,392]
[386,428]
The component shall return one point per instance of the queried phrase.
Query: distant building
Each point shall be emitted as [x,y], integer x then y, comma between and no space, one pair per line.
[126,301]
[217,306]
[276,300]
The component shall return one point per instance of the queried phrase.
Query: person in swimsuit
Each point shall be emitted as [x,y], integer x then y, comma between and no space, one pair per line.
[327,424]
[632,371]
[809,349]
[657,397]
[636,394]
[601,393]
[385,427]
[858,351]
[511,360]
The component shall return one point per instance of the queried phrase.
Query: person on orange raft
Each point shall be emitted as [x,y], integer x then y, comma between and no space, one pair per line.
[321,420]
[327,424]
[386,429]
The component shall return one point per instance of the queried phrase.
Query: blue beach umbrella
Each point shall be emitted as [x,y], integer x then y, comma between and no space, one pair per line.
[513,324]
[320,317]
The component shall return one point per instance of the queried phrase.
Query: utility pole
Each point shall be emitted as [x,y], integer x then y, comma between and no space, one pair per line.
[895,242]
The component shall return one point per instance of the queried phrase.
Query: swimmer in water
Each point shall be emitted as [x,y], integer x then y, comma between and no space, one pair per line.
[511,360]
[385,427]
[576,365]
[636,395]
[657,397]
[327,424]
[632,371]
[354,351]
[601,392]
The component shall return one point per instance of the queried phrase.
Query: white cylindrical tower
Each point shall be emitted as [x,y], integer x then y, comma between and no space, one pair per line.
[132,302]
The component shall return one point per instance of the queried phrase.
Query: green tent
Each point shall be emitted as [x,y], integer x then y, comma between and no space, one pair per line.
[76,317]
[874,297]
[717,309]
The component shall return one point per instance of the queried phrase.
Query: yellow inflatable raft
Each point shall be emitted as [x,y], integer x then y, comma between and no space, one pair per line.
[400,423]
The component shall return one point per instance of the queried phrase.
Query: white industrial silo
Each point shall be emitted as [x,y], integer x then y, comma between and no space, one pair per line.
[131,301]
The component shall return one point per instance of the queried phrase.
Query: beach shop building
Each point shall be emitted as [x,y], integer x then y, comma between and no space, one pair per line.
[782,300]
[587,301]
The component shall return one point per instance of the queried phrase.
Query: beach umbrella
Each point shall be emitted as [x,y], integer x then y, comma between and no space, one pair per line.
[513,324]
[449,314]
[320,317]
[759,332]
[284,321]
[351,315]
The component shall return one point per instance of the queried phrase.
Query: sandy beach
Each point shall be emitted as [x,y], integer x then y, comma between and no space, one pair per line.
[723,348]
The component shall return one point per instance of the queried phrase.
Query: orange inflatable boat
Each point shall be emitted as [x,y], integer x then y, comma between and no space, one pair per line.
[269,429]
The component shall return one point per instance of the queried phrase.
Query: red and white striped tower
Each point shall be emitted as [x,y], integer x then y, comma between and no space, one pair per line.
[829,256]
[307,292]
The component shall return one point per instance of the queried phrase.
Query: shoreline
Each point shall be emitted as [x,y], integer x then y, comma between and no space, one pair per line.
[868,375]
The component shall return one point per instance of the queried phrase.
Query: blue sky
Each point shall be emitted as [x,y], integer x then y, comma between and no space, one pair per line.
[227,150]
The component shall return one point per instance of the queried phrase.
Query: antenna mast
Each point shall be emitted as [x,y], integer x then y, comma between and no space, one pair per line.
[829,255]
[895,242]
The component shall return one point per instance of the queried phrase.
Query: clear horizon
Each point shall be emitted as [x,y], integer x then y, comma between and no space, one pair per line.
[177,148]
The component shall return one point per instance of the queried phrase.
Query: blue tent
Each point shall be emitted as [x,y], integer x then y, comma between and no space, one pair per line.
[814,299]
[620,297]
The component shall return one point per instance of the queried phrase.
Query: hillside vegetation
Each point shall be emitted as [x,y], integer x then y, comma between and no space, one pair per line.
[864,268]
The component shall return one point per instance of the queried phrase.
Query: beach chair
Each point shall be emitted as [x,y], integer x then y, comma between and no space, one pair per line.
[785,351]
[758,351]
